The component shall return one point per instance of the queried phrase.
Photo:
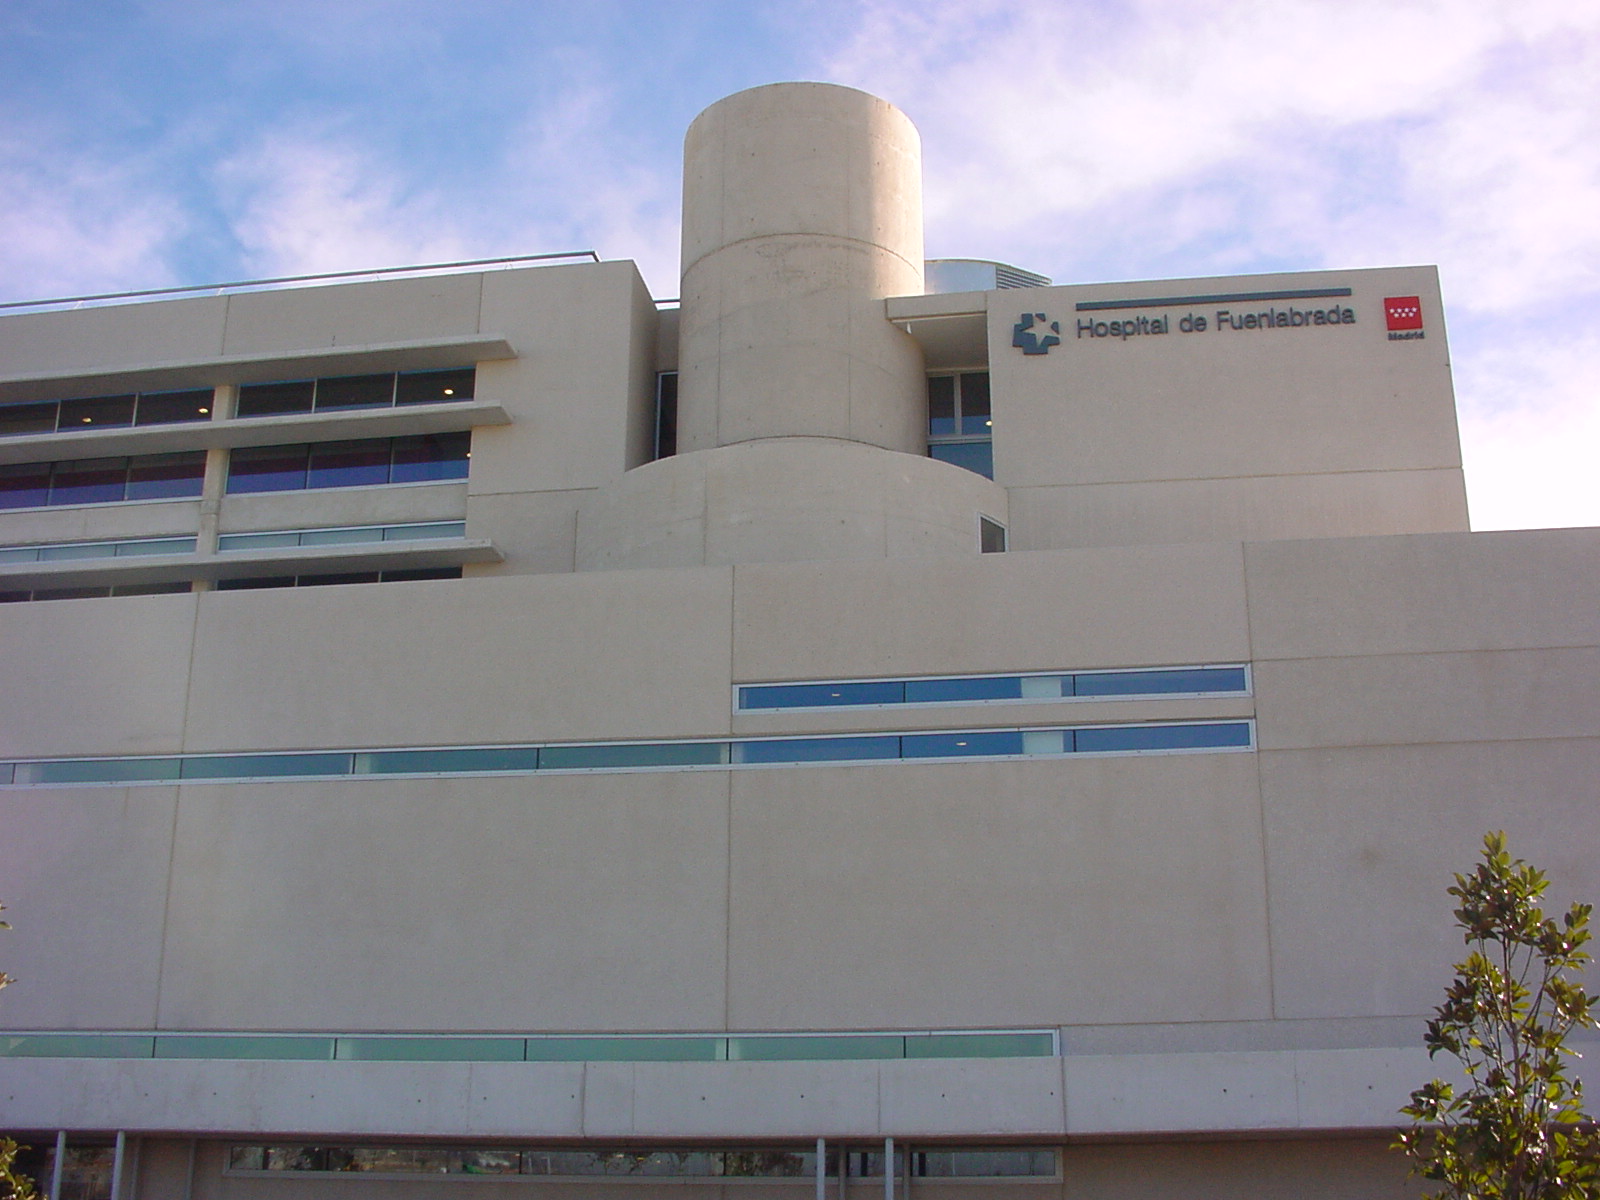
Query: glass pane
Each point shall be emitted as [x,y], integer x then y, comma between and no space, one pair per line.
[19,419]
[961,745]
[991,536]
[247,1158]
[336,580]
[435,387]
[797,750]
[349,464]
[166,408]
[339,537]
[99,412]
[100,770]
[780,1048]
[432,529]
[417,573]
[944,691]
[267,468]
[431,457]
[258,541]
[980,1045]
[626,1049]
[354,391]
[941,405]
[15,554]
[666,414]
[647,754]
[89,481]
[71,593]
[180,545]
[1155,683]
[24,485]
[780,1164]
[975,403]
[447,762]
[1161,737]
[430,1049]
[255,583]
[151,589]
[977,1164]
[973,456]
[821,695]
[268,399]
[77,550]
[75,1045]
[166,476]
[264,766]
[238,1046]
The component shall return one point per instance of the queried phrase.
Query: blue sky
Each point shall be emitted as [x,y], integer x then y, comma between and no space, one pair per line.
[164,142]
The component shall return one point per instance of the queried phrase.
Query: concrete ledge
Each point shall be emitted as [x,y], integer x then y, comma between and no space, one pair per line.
[1089,1096]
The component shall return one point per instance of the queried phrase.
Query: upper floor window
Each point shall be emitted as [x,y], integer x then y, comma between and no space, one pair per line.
[425,458]
[102,480]
[338,393]
[959,426]
[106,412]
[666,430]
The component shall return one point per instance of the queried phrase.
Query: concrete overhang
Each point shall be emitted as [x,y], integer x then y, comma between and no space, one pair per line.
[952,328]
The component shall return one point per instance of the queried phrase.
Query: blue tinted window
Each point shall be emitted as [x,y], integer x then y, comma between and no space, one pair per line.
[265,766]
[267,468]
[349,464]
[1147,683]
[89,481]
[661,754]
[107,770]
[428,762]
[974,456]
[625,1049]
[431,457]
[788,1048]
[798,750]
[961,745]
[1161,737]
[166,476]
[821,695]
[24,485]
[938,691]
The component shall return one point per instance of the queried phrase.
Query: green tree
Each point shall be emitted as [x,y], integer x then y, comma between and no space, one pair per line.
[1517,1130]
[13,1185]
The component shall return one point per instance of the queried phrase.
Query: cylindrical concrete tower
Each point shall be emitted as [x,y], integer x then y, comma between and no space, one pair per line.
[802,210]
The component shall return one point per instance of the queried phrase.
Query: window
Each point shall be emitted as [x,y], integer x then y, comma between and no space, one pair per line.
[666,431]
[426,458]
[106,412]
[341,393]
[991,536]
[102,480]
[258,582]
[959,424]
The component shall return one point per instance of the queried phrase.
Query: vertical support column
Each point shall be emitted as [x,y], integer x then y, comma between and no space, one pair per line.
[822,1169]
[60,1164]
[224,400]
[888,1168]
[116,1165]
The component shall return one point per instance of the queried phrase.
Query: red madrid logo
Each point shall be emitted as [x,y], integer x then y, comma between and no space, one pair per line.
[1403,312]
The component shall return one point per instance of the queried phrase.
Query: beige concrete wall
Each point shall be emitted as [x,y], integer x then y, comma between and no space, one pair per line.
[1226,435]
[802,211]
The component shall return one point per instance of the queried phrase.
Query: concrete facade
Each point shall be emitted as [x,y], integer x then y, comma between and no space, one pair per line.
[558,888]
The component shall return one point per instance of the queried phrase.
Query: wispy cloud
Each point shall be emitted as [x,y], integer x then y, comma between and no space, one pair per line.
[1153,138]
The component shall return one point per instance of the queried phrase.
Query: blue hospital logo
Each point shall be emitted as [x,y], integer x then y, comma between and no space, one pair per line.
[1036,333]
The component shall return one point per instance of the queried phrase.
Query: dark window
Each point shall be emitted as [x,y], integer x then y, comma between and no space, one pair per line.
[271,399]
[991,536]
[349,464]
[24,485]
[355,391]
[166,476]
[168,408]
[821,695]
[268,468]
[431,457]
[666,432]
[89,481]
[18,419]
[435,387]
[100,412]
[959,422]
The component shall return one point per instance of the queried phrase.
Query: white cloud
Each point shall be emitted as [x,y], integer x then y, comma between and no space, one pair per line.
[77,224]
[1155,137]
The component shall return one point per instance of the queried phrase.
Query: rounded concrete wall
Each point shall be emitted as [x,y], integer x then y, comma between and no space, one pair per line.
[785,500]
[802,210]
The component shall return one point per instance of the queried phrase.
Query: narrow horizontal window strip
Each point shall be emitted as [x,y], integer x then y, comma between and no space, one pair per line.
[1132,684]
[345,535]
[63,551]
[355,1047]
[1163,737]
[1214,298]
